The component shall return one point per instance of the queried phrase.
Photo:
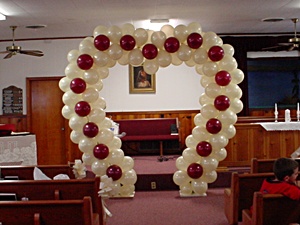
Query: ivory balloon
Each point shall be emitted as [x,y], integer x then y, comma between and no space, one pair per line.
[73,71]
[67,112]
[101,58]
[91,76]
[232,91]
[64,84]
[141,36]
[218,141]
[213,90]
[237,76]
[116,187]
[99,167]
[127,28]
[190,62]
[228,63]
[181,32]
[210,68]
[227,117]
[219,154]
[200,133]
[164,58]
[90,95]
[88,158]
[111,62]
[236,105]
[204,99]
[191,142]
[77,122]
[199,120]
[100,30]
[87,47]
[199,187]
[168,30]
[124,58]
[209,163]
[210,39]
[135,57]
[127,163]
[184,52]
[115,157]
[96,115]
[105,136]
[228,131]
[127,190]
[106,123]
[87,144]
[209,176]
[115,51]
[194,27]
[228,49]
[114,33]
[76,136]
[128,177]
[99,103]
[103,72]
[190,155]
[185,189]
[208,111]
[98,86]
[70,98]
[116,143]
[150,66]
[181,177]
[200,56]
[158,38]
[205,80]
[198,69]
[175,60]
[181,164]
[72,56]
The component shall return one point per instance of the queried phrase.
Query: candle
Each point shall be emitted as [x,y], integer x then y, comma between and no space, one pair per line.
[287,115]
[298,107]
[275,107]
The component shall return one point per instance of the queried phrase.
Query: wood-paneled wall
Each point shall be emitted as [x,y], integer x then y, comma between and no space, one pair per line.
[251,139]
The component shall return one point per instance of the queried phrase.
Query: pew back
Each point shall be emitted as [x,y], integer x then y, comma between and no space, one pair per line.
[51,212]
[56,189]
[270,209]
[264,165]
[240,194]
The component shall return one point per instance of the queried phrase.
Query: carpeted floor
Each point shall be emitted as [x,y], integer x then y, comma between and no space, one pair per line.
[168,208]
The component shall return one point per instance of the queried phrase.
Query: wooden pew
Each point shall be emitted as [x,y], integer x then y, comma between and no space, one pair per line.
[48,212]
[240,194]
[270,209]
[26,172]
[264,165]
[56,189]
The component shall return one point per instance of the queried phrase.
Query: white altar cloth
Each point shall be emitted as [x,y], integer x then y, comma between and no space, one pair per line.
[277,126]
[18,148]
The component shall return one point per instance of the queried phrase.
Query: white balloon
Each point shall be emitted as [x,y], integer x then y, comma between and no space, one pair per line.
[105,136]
[209,163]
[164,58]
[135,57]
[91,76]
[150,66]
[115,51]
[209,176]
[96,115]
[213,90]
[181,177]
[232,91]
[200,133]
[106,123]
[185,189]
[127,163]
[114,33]
[194,27]
[99,103]
[210,39]
[67,112]
[190,155]
[228,131]
[87,144]
[208,111]
[219,154]
[103,72]
[116,143]
[64,84]
[158,38]
[90,95]
[127,190]
[191,142]
[199,187]
[70,98]
[228,63]
[124,58]
[76,136]
[128,177]
[175,60]
[184,52]
[100,30]
[72,56]
[181,164]
[73,71]
[218,141]
[116,187]
[227,117]
[168,30]
[181,33]
[199,120]
[115,157]
[237,76]
[99,167]
[141,36]
[88,159]
[236,105]
[77,122]
[200,56]
[228,49]
[101,58]
[205,80]
[127,29]
[86,46]
[210,68]
[204,99]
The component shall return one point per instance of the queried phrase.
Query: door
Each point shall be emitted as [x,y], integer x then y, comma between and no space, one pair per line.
[44,104]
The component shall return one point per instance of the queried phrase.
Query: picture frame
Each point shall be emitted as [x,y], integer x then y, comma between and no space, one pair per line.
[140,82]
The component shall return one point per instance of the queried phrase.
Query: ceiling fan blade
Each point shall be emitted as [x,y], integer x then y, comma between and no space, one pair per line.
[273,47]
[4,52]
[285,44]
[32,52]
[9,55]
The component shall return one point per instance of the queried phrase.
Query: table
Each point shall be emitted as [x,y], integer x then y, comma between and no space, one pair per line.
[18,149]
[277,126]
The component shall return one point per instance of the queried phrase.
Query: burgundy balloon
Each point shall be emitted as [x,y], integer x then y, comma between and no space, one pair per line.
[149,51]
[195,170]
[223,78]
[204,148]
[82,108]
[222,102]
[90,130]
[85,62]
[101,42]
[194,40]
[127,42]
[78,85]
[171,44]
[114,171]
[215,53]
[213,126]
[101,151]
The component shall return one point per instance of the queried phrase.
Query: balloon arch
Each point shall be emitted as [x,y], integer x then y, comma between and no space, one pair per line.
[214,126]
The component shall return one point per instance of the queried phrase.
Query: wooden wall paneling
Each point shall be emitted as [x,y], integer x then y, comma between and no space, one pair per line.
[257,142]
[273,144]
[20,122]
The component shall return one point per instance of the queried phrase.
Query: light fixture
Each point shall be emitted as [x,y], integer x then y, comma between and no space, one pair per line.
[159,21]
[2,17]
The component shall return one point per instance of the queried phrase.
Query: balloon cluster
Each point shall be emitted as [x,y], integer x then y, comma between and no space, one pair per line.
[84,107]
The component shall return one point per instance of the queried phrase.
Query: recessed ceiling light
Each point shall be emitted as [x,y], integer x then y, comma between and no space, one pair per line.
[36,26]
[272,19]
[159,21]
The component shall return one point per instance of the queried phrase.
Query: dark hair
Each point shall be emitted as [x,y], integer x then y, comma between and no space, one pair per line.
[284,167]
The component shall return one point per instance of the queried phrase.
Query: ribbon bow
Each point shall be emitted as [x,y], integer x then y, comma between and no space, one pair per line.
[105,187]
[79,169]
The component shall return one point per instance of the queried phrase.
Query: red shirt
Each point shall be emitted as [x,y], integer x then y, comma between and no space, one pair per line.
[280,187]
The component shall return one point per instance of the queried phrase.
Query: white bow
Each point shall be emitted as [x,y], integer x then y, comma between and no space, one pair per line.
[105,187]
[79,169]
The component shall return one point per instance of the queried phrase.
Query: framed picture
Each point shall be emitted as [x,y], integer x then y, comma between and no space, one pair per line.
[140,82]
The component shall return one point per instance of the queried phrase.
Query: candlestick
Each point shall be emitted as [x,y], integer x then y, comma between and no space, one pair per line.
[276,113]
[275,107]
[298,112]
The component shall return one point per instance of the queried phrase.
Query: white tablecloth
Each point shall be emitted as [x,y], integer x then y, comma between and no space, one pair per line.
[14,149]
[277,126]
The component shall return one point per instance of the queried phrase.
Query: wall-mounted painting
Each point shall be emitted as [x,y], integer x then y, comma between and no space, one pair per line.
[140,82]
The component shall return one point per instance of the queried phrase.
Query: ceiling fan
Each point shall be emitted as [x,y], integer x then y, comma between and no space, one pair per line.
[14,49]
[293,43]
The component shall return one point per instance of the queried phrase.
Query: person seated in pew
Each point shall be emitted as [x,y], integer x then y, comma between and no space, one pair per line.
[286,173]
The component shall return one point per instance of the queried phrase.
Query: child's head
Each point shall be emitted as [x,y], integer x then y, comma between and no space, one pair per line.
[286,169]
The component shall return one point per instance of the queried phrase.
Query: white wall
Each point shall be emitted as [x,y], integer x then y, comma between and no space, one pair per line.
[177,87]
